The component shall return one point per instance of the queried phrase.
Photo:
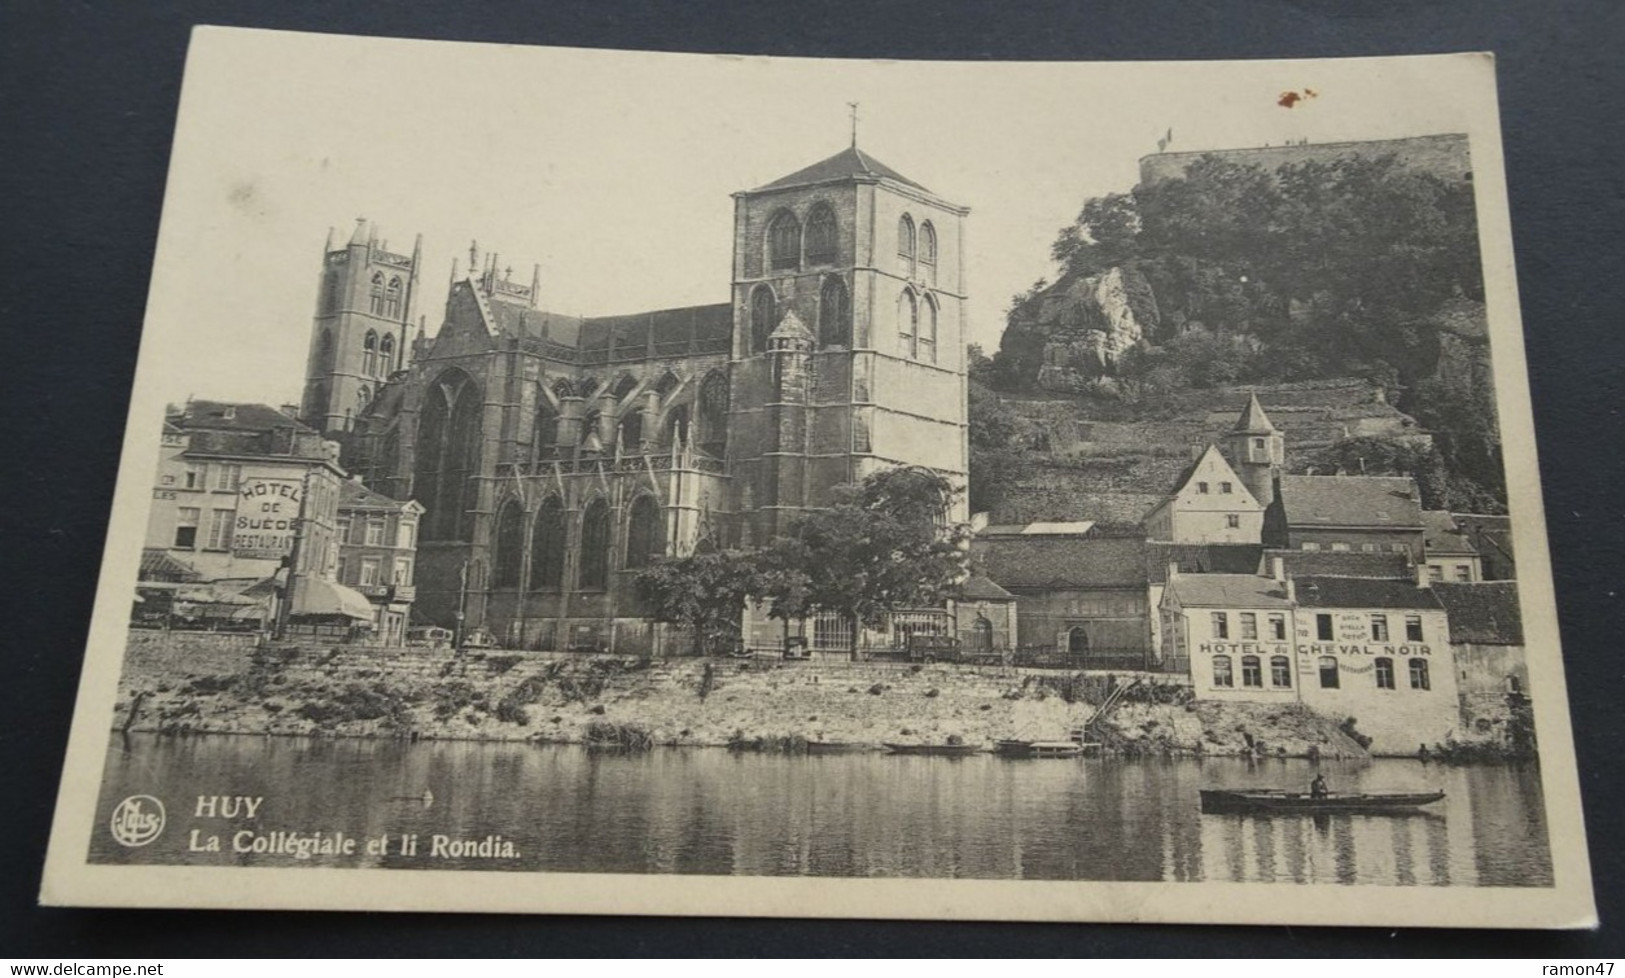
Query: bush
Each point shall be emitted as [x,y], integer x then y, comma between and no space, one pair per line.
[877,689]
[932,693]
[618,736]
[509,711]
[501,664]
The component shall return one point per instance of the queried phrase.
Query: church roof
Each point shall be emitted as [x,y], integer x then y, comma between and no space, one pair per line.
[791,328]
[848,163]
[1253,420]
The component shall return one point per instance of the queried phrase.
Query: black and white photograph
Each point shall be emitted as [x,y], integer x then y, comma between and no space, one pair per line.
[613,482]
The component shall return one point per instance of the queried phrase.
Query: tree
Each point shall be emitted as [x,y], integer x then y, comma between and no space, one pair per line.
[883,545]
[705,591]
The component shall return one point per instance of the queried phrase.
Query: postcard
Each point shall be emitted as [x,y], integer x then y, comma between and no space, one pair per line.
[573,481]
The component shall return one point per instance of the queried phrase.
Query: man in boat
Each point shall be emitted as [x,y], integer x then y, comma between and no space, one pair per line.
[1318,788]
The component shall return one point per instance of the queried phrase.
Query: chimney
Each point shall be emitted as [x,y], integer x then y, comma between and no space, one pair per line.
[1291,590]
[1173,570]
[1278,567]
[291,410]
[229,412]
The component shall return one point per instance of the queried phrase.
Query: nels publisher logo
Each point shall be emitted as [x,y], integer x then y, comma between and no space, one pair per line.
[137,820]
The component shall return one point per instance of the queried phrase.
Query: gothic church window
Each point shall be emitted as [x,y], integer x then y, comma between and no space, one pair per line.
[369,354]
[906,243]
[928,331]
[377,298]
[763,316]
[547,546]
[834,314]
[386,355]
[908,324]
[510,546]
[447,450]
[545,438]
[631,430]
[714,415]
[645,533]
[928,252]
[392,298]
[783,241]
[595,546]
[821,235]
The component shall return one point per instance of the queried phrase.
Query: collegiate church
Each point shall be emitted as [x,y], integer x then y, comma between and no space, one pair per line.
[555,456]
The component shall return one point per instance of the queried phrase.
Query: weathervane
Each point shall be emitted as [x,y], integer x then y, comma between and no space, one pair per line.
[854,107]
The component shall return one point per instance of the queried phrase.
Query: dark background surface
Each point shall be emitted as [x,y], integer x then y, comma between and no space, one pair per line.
[87,105]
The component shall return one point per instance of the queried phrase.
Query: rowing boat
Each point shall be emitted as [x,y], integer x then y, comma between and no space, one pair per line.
[940,750]
[1267,800]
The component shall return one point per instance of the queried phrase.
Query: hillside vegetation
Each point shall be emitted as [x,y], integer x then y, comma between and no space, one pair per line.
[1312,274]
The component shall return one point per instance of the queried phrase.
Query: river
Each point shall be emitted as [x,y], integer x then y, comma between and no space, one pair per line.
[568,809]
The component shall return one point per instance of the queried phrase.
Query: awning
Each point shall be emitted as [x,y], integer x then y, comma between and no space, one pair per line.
[319,596]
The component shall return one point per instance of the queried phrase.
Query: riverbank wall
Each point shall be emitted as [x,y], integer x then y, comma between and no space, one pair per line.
[183,683]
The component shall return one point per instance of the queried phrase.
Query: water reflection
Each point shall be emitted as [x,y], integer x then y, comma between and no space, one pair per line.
[851,815]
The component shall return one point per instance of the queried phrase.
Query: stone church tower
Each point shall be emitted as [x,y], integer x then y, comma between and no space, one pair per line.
[557,456]
[365,301]
[1257,450]
[870,266]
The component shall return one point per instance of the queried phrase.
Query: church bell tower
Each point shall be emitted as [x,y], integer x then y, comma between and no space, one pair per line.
[366,298]
[849,348]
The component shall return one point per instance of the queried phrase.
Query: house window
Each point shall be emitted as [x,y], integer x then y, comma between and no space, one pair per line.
[375,531]
[228,477]
[1252,674]
[1379,628]
[1280,671]
[343,531]
[1222,676]
[1077,640]
[404,535]
[186,518]
[1369,548]
[341,570]
[1398,548]
[195,476]
[1226,488]
[1435,572]
[1323,628]
[1221,625]
[1258,444]
[1233,521]
[220,529]
[1419,674]
[369,571]
[1278,627]
[1413,628]
[1464,573]
[1310,545]
[821,235]
[1341,548]
[1385,673]
[1201,488]
[784,241]
[1329,678]
[403,572]
[1249,625]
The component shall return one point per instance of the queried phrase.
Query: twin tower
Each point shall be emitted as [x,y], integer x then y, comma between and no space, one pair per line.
[555,455]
